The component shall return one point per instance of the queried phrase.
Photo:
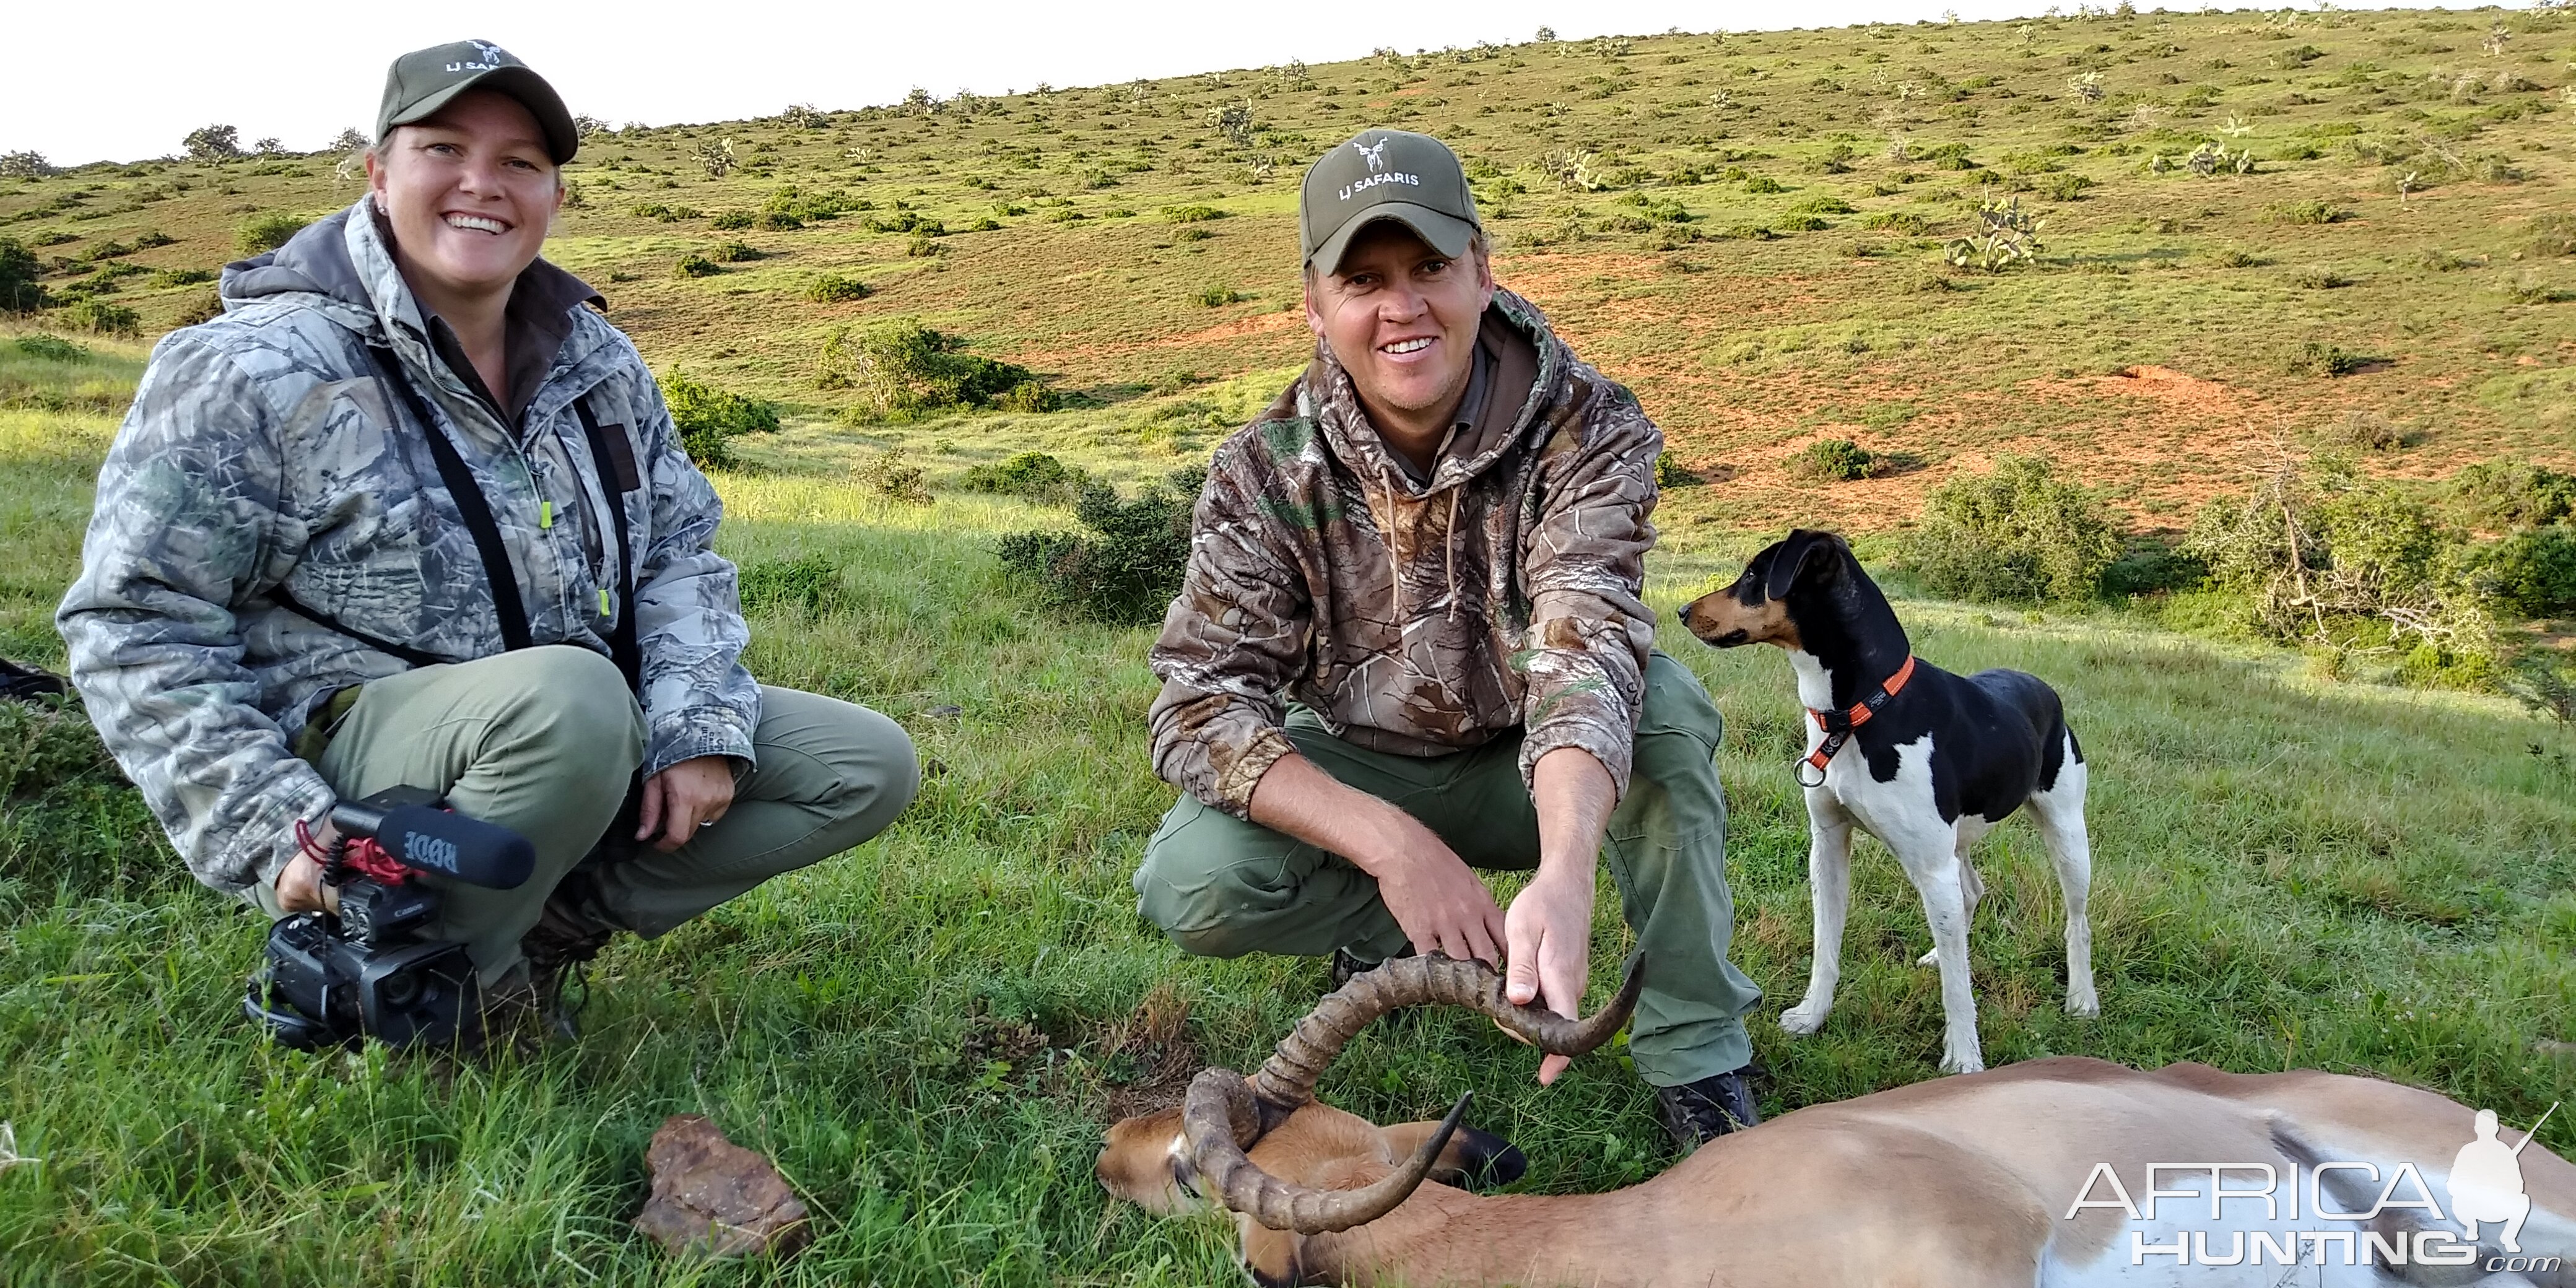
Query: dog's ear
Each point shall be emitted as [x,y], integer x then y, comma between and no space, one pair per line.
[1804,552]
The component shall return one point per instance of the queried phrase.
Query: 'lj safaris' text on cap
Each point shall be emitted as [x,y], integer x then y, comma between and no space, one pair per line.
[1385,174]
[425,80]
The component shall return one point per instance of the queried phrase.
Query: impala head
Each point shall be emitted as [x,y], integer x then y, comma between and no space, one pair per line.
[1289,1166]
[1755,608]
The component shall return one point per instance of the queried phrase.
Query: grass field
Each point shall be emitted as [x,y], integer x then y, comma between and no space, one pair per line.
[928,1032]
[2406,170]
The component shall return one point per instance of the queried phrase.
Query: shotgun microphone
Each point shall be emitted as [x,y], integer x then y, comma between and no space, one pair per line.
[407,823]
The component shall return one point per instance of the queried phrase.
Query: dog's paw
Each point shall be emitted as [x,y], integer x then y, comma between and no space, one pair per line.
[2084,1003]
[1931,957]
[1803,1019]
[1971,1061]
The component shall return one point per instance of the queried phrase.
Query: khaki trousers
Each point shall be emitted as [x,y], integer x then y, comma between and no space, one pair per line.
[543,741]
[1222,887]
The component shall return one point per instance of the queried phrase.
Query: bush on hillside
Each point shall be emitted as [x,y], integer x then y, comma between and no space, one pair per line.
[2018,532]
[902,369]
[2513,494]
[707,416]
[267,232]
[1831,460]
[1128,568]
[1035,475]
[20,292]
[51,348]
[836,288]
[100,318]
[2533,571]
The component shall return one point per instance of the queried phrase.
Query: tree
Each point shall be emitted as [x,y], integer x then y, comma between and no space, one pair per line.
[213,143]
[19,290]
[348,140]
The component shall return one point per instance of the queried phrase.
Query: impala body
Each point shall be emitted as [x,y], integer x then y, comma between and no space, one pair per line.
[1971,1180]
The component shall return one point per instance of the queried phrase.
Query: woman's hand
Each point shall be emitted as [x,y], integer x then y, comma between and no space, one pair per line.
[683,798]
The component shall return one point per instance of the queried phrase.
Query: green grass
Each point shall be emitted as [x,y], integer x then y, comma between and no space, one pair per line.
[928,1032]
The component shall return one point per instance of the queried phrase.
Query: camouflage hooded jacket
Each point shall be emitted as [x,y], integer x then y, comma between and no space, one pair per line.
[1413,618]
[264,454]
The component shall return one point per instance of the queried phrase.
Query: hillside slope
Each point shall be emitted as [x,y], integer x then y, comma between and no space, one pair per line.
[1748,228]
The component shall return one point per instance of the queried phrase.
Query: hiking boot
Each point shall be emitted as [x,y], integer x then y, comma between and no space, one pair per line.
[556,949]
[1699,1112]
[1346,964]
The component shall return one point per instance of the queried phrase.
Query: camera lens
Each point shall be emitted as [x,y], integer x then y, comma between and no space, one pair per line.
[401,990]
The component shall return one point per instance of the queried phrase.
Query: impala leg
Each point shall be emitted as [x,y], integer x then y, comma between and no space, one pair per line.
[2060,815]
[1829,829]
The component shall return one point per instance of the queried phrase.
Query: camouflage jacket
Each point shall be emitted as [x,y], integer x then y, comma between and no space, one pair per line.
[264,457]
[1414,618]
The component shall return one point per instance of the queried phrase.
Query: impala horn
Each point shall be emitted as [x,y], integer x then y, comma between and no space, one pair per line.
[1225,1113]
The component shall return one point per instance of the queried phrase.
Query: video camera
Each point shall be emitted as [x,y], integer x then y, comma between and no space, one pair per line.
[366,970]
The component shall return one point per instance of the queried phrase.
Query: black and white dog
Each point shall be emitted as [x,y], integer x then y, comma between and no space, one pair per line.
[1925,760]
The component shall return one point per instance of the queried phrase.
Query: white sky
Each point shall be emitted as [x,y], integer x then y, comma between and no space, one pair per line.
[320,66]
[135,77]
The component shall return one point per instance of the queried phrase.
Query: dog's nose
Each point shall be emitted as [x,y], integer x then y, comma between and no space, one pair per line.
[1683,613]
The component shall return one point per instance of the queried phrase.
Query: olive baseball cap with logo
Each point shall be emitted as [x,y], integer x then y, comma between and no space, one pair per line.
[1413,179]
[425,80]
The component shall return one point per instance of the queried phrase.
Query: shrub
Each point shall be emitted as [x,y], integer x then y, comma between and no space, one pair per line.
[2237,259]
[2063,187]
[836,288]
[1670,472]
[735,252]
[267,232]
[891,474]
[1035,475]
[213,143]
[2372,431]
[1897,221]
[777,221]
[2149,567]
[811,583]
[1762,184]
[902,369]
[707,416]
[1821,206]
[1802,223]
[1831,460]
[2306,212]
[100,319]
[731,221]
[1130,566]
[2512,494]
[2533,571]
[2018,532]
[2318,358]
[2331,559]
[1191,214]
[1216,296]
[52,348]
[169,277]
[694,264]
[20,292]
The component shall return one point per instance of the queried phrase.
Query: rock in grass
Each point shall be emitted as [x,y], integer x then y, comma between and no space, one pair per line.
[713,1198]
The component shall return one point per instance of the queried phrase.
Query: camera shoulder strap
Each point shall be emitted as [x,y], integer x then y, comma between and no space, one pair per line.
[614,457]
[471,506]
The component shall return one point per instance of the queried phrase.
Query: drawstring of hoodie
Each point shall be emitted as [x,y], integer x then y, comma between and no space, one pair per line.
[1449,551]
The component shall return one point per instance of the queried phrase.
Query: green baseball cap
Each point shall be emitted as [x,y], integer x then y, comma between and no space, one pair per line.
[1413,179]
[425,80]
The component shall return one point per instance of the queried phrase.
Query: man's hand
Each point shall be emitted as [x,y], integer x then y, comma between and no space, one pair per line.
[299,883]
[1549,931]
[1549,937]
[1439,902]
[1442,904]
[683,798]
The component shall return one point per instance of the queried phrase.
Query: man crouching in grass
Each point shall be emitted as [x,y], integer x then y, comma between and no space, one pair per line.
[1411,639]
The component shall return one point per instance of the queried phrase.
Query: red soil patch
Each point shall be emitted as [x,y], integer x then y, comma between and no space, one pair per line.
[2178,390]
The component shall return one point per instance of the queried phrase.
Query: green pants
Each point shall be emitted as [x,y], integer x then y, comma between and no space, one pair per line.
[1222,887]
[544,741]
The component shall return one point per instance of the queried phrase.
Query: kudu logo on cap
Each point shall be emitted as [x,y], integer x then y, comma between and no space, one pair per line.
[425,80]
[1413,179]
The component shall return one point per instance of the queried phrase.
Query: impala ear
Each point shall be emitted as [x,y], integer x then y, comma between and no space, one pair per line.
[1805,551]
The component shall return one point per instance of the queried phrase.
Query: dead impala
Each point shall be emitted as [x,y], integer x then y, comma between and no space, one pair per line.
[2060,1171]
